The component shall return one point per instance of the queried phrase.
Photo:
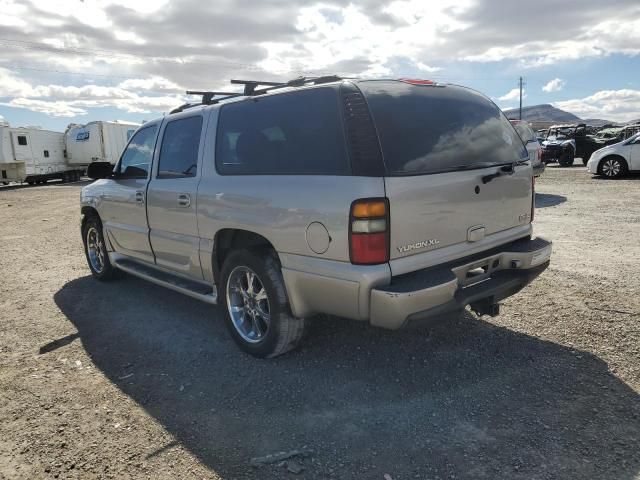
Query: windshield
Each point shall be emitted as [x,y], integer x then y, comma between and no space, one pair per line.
[431,129]
[559,133]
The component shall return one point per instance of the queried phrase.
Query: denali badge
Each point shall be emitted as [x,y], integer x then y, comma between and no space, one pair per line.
[417,245]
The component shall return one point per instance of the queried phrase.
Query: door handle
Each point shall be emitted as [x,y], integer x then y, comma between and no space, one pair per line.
[184,200]
[139,196]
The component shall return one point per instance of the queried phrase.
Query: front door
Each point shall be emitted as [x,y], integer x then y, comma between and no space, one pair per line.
[22,151]
[123,209]
[171,204]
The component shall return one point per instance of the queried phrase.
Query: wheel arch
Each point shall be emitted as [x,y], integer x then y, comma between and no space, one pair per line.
[228,239]
[88,212]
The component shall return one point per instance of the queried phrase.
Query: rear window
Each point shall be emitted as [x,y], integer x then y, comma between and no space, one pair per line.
[296,133]
[430,129]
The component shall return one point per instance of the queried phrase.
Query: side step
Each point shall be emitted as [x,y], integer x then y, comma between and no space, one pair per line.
[201,291]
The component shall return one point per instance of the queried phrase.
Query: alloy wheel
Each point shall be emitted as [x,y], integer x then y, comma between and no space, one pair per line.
[248,304]
[95,249]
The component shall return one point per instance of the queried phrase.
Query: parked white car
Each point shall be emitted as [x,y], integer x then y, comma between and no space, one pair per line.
[616,160]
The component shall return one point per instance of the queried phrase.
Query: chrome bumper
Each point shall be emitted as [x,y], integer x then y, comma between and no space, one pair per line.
[484,278]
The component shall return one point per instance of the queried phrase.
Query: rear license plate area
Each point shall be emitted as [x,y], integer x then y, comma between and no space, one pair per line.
[477,272]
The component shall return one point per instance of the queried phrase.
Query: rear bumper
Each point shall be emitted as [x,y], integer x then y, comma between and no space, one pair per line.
[485,278]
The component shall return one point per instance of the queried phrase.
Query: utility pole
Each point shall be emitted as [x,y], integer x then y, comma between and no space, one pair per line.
[520,83]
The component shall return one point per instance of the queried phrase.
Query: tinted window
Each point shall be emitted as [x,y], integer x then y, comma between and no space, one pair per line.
[136,158]
[427,129]
[179,149]
[22,140]
[46,154]
[290,133]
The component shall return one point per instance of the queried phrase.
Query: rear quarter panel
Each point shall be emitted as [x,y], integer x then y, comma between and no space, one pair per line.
[278,207]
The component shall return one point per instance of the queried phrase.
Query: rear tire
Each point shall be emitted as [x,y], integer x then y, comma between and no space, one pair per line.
[257,310]
[95,250]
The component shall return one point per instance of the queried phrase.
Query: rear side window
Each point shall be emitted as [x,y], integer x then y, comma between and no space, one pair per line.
[296,133]
[430,129]
[22,140]
[179,149]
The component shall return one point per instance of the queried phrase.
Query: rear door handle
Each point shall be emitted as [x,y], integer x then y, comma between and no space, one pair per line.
[184,200]
[139,196]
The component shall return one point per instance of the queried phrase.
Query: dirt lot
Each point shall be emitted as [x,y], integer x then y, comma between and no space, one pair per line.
[128,380]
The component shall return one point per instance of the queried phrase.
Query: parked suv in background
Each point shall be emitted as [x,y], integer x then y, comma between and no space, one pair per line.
[564,143]
[530,141]
[387,201]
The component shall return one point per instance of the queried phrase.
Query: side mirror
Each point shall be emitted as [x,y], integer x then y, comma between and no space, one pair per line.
[97,170]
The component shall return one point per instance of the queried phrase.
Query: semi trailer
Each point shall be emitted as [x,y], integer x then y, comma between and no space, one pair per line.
[33,155]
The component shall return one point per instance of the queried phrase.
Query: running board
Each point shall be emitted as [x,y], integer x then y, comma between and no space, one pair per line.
[200,291]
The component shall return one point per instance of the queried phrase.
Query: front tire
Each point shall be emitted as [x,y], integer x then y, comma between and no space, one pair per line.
[566,159]
[257,310]
[612,167]
[95,250]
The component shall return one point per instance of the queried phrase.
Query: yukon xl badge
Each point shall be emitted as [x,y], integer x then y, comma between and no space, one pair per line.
[418,245]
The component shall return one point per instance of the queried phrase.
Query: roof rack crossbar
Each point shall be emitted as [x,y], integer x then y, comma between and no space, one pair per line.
[207,97]
[251,86]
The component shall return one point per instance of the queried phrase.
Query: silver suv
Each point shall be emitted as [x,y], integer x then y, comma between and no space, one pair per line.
[387,201]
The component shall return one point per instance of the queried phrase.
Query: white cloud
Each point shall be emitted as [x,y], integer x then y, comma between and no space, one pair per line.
[203,44]
[134,96]
[55,109]
[513,94]
[617,105]
[554,85]
[427,68]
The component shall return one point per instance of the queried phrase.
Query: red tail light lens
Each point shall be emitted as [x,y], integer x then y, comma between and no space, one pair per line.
[369,231]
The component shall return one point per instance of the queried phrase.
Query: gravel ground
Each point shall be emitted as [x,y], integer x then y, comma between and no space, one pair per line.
[128,380]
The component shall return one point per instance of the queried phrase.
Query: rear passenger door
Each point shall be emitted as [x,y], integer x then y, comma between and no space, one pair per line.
[171,195]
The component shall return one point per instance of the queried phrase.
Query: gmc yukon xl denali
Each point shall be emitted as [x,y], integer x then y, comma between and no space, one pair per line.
[387,201]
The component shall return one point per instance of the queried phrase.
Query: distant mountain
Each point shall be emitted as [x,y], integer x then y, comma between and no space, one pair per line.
[543,113]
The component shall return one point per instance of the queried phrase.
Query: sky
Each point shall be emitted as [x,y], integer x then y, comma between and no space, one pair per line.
[78,61]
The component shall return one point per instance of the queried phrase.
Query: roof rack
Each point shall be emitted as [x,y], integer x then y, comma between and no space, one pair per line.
[207,99]
[251,89]
[251,86]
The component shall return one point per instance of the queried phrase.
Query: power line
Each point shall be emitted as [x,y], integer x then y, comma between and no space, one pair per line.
[63,72]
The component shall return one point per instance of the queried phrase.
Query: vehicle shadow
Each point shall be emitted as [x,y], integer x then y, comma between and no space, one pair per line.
[464,399]
[544,200]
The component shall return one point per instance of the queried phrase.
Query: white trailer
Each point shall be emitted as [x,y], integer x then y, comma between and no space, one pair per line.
[33,155]
[97,141]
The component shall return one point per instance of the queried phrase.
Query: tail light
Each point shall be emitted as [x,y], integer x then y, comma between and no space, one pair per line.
[533,197]
[369,231]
